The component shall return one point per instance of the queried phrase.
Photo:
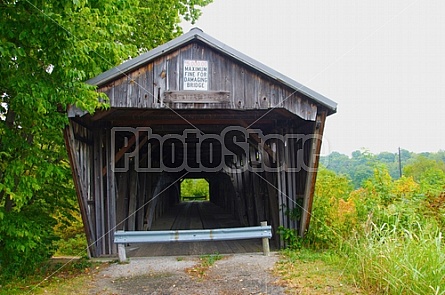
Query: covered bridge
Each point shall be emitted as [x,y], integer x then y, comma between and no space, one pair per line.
[195,108]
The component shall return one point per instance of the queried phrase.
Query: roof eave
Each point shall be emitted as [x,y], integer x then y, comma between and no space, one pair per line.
[140,60]
[258,66]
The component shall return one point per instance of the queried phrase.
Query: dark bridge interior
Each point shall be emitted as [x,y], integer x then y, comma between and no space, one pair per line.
[150,163]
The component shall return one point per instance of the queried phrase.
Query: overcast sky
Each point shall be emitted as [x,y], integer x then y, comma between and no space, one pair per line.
[382,61]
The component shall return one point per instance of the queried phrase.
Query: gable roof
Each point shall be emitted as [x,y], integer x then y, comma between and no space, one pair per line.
[198,34]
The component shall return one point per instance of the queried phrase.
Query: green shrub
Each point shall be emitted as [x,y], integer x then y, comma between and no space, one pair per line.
[26,240]
[290,238]
[70,230]
[388,233]
[74,246]
[333,214]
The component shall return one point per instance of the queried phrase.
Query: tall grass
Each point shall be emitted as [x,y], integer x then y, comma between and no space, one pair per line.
[391,260]
[389,232]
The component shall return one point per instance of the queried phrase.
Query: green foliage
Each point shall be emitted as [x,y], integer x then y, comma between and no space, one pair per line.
[388,233]
[47,50]
[430,173]
[73,246]
[210,259]
[359,166]
[25,241]
[53,277]
[333,211]
[290,238]
[69,230]
[194,189]
[390,260]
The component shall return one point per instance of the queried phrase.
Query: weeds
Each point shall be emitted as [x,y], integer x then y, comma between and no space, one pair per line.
[52,278]
[210,259]
[399,261]
[307,271]
[387,235]
[205,262]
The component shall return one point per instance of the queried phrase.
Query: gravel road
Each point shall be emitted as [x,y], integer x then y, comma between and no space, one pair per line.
[233,274]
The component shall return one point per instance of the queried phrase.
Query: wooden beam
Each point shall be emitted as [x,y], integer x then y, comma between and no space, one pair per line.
[272,195]
[132,202]
[124,122]
[268,150]
[80,188]
[98,115]
[121,201]
[141,204]
[190,96]
[98,191]
[311,175]
[123,150]
[111,199]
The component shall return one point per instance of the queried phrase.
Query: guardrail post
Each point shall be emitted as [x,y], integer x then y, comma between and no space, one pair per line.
[266,249]
[121,253]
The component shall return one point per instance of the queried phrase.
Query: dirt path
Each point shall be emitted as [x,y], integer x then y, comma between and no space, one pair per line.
[233,274]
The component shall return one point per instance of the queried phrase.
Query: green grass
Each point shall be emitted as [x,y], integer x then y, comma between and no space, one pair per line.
[399,261]
[306,271]
[387,259]
[53,277]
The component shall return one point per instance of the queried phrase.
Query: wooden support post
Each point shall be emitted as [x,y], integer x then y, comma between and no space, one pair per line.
[133,195]
[311,176]
[81,189]
[111,199]
[266,249]
[121,253]
[272,194]
[98,192]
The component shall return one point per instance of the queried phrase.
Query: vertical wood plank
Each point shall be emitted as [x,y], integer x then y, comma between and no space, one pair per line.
[122,201]
[70,143]
[293,158]
[133,192]
[312,175]
[142,186]
[111,196]
[280,186]
[98,190]
[133,89]
[249,197]
[284,187]
[159,81]
[272,193]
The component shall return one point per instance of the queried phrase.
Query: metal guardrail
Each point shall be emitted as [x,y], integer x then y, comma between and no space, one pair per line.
[221,234]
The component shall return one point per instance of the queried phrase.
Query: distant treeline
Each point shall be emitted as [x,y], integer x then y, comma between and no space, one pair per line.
[360,166]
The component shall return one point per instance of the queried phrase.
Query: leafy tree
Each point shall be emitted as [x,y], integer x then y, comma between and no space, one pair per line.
[361,165]
[420,164]
[386,157]
[195,188]
[337,162]
[47,50]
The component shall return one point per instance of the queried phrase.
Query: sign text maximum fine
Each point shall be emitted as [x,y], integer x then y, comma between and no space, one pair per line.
[196,74]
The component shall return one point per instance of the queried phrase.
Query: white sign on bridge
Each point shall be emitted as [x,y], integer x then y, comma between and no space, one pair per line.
[196,74]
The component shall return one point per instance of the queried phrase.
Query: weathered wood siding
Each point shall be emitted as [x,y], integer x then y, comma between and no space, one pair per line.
[133,199]
[79,143]
[152,85]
